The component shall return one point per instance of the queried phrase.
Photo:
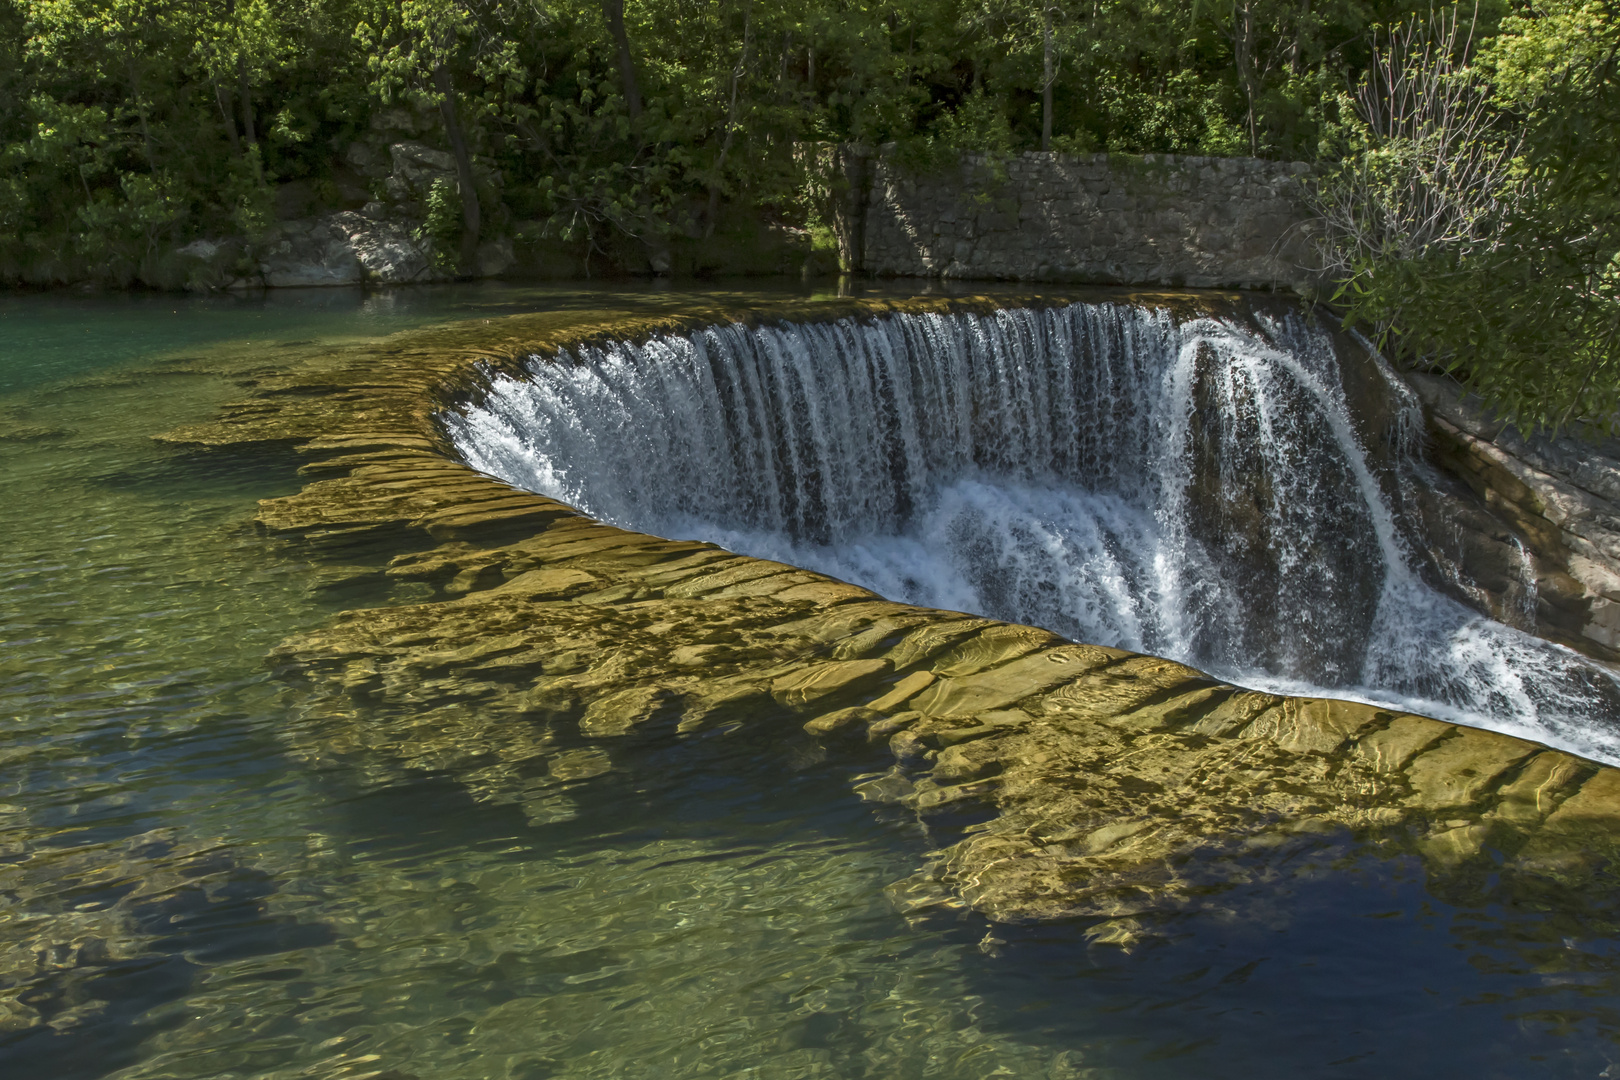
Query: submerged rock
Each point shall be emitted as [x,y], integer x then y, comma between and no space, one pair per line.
[89,926]
[1059,779]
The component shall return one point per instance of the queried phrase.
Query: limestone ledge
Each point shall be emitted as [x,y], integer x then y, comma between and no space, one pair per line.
[1559,500]
[1060,779]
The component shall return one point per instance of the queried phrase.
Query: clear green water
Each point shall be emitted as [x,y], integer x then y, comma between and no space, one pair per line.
[185,893]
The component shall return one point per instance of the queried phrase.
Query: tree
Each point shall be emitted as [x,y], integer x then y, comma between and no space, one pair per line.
[1048,76]
[1477,217]
[413,47]
[123,43]
[613,11]
[239,44]
[618,126]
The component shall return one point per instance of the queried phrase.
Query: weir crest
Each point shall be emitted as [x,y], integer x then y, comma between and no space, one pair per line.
[1227,490]
[524,649]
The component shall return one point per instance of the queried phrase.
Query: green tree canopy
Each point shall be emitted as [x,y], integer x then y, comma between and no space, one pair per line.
[131,126]
[1475,220]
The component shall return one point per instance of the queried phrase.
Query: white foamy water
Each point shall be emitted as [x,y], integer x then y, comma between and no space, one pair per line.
[1196,490]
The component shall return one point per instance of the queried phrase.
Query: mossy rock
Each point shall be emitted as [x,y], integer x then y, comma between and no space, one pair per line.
[1065,779]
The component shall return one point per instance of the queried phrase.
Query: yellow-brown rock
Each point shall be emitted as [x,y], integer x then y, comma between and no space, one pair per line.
[1062,779]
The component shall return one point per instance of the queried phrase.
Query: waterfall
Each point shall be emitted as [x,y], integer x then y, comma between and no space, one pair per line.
[1196,489]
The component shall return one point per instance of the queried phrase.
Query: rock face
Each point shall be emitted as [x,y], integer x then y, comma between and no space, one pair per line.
[1059,779]
[345,248]
[302,253]
[342,248]
[416,168]
[1544,554]
[373,245]
[1158,219]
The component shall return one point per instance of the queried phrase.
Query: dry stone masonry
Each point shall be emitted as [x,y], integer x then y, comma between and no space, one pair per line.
[1158,219]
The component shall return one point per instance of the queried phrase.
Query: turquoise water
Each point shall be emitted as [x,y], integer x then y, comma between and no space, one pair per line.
[190,887]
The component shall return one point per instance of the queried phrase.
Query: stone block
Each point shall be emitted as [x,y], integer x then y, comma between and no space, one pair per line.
[1089,217]
[811,684]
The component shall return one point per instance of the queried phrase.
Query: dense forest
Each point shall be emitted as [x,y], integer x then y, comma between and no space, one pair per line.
[1467,155]
[130,124]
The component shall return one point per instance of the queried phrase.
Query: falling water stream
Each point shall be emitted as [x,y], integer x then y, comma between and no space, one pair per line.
[1197,489]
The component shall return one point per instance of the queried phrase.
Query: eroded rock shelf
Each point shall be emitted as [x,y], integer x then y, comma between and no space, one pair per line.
[1059,779]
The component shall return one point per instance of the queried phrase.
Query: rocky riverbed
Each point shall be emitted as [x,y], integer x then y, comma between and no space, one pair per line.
[1059,779]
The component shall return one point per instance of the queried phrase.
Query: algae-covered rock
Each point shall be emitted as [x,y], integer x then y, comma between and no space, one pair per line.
[1058,779]
[83,922]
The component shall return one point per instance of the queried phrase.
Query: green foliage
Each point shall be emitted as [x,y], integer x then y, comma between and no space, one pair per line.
[442,228]
[1488,240]
[128,127]
[213,103]
[979,124]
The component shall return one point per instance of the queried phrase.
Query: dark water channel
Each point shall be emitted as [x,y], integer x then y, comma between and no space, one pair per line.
[184,892]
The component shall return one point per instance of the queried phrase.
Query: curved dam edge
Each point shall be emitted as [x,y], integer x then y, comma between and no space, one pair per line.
[1059,779]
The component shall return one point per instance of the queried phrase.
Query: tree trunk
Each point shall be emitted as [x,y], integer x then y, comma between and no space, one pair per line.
[230,121]
[851,184]
[614,10]
[246,92]
[1243,53]
[1047,78]
[249,147]
[1296,45]
[731,129]
[250,136]
[471,219]
[140,112]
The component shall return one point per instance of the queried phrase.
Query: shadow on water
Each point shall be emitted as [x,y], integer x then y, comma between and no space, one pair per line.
[1358,971]
[213,911]
[1347,964]
[201,474]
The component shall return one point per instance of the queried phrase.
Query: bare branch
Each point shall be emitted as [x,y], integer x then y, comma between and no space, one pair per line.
[1437,168]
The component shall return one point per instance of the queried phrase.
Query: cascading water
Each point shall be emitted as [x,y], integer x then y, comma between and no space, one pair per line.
[1194,489]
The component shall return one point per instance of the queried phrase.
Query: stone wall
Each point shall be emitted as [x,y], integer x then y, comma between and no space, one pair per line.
[1158,219]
